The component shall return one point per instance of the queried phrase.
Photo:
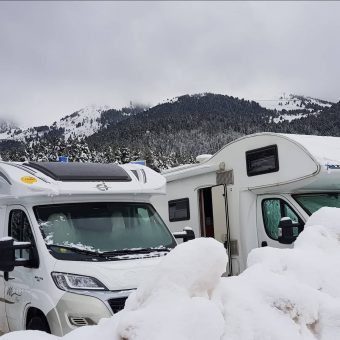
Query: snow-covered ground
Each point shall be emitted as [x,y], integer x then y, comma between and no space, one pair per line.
[284,294]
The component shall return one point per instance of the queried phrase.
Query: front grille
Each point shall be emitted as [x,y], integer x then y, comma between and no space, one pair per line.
[117,304]
[80,321]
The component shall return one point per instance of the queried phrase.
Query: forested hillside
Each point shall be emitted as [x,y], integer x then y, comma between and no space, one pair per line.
[168,134]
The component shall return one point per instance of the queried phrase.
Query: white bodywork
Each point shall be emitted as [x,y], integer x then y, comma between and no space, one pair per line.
[307,164]
[34,287]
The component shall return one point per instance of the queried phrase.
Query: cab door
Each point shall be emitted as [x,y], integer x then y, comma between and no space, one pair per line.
[270,210]
[19,283]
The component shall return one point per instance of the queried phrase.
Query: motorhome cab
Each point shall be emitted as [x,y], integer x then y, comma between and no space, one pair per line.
[76,239]
[256,191]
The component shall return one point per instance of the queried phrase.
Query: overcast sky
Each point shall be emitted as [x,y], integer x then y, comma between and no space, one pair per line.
[57,57]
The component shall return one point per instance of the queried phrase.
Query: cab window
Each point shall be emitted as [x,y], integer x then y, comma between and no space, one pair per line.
[273,209]
[20,229]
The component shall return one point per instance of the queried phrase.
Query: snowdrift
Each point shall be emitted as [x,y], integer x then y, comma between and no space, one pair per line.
[284,294]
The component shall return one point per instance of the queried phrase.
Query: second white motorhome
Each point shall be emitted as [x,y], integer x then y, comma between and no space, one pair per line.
[256,191]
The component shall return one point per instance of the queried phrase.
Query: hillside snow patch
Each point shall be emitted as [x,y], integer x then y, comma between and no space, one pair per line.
[284,294]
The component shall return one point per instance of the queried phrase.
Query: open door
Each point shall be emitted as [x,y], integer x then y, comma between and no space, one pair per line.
[213,212]
[206,212]
[214,217]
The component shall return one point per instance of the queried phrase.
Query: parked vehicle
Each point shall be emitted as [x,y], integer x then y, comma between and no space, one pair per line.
[77,238]
[256,191]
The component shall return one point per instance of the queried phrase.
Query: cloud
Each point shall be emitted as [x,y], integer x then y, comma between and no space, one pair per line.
[57,57]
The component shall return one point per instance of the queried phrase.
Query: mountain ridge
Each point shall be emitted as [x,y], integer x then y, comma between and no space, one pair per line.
[170,133]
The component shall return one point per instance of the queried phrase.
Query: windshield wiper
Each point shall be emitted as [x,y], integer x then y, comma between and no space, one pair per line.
[136,251]
[121,252]
[75,249]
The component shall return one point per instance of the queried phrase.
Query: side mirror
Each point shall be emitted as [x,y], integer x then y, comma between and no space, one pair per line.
[288,231]
[187,234]
[7,254]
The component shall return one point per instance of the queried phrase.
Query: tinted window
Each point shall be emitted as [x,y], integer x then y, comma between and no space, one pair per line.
[273,210]
[179,210]
[19,228]
[77,171]
[313,202]
[262,161]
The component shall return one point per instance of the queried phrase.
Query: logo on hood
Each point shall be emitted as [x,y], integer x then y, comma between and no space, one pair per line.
[102,187]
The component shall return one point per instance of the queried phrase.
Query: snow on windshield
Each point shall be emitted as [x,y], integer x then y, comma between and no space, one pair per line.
[284,294]
[103,226]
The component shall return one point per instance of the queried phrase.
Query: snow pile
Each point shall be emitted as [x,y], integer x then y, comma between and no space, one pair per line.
[288,293]
[284,294]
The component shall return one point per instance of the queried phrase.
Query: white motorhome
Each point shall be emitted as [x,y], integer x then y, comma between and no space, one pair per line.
[256,191]
[76,239]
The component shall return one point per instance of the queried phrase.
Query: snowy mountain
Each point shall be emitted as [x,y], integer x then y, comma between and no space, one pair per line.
[170,133]
[80,124]
[7,124]
[294,102]
[293,107]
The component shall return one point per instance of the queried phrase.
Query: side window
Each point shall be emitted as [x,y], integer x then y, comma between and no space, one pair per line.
[273,210]
[179,210]
[19,228]
[262,161]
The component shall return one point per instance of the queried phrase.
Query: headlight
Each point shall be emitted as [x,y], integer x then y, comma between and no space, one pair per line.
[66,282]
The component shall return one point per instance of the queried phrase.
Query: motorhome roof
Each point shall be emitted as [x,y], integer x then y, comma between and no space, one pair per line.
[324,149]
[50,179]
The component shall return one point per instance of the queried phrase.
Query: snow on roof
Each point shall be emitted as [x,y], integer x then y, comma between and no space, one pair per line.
[325,149]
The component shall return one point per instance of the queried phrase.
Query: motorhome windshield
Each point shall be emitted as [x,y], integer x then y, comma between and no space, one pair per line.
[103,231]
[313,202]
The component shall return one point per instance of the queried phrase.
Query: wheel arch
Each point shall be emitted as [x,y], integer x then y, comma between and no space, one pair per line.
[32,312]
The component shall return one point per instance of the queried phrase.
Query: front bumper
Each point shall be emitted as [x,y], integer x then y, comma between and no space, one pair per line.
[82,309]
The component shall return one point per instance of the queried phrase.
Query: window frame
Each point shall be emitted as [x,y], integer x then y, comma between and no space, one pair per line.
[249,153]
[282,202]
[187,202]
[33,250]
[82,257]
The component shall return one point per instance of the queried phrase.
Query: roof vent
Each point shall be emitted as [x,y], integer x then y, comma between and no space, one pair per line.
[203,158]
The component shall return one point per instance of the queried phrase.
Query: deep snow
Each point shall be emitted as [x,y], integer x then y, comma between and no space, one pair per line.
[284,294]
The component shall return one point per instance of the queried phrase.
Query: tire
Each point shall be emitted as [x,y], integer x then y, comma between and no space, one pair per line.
[38,323]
